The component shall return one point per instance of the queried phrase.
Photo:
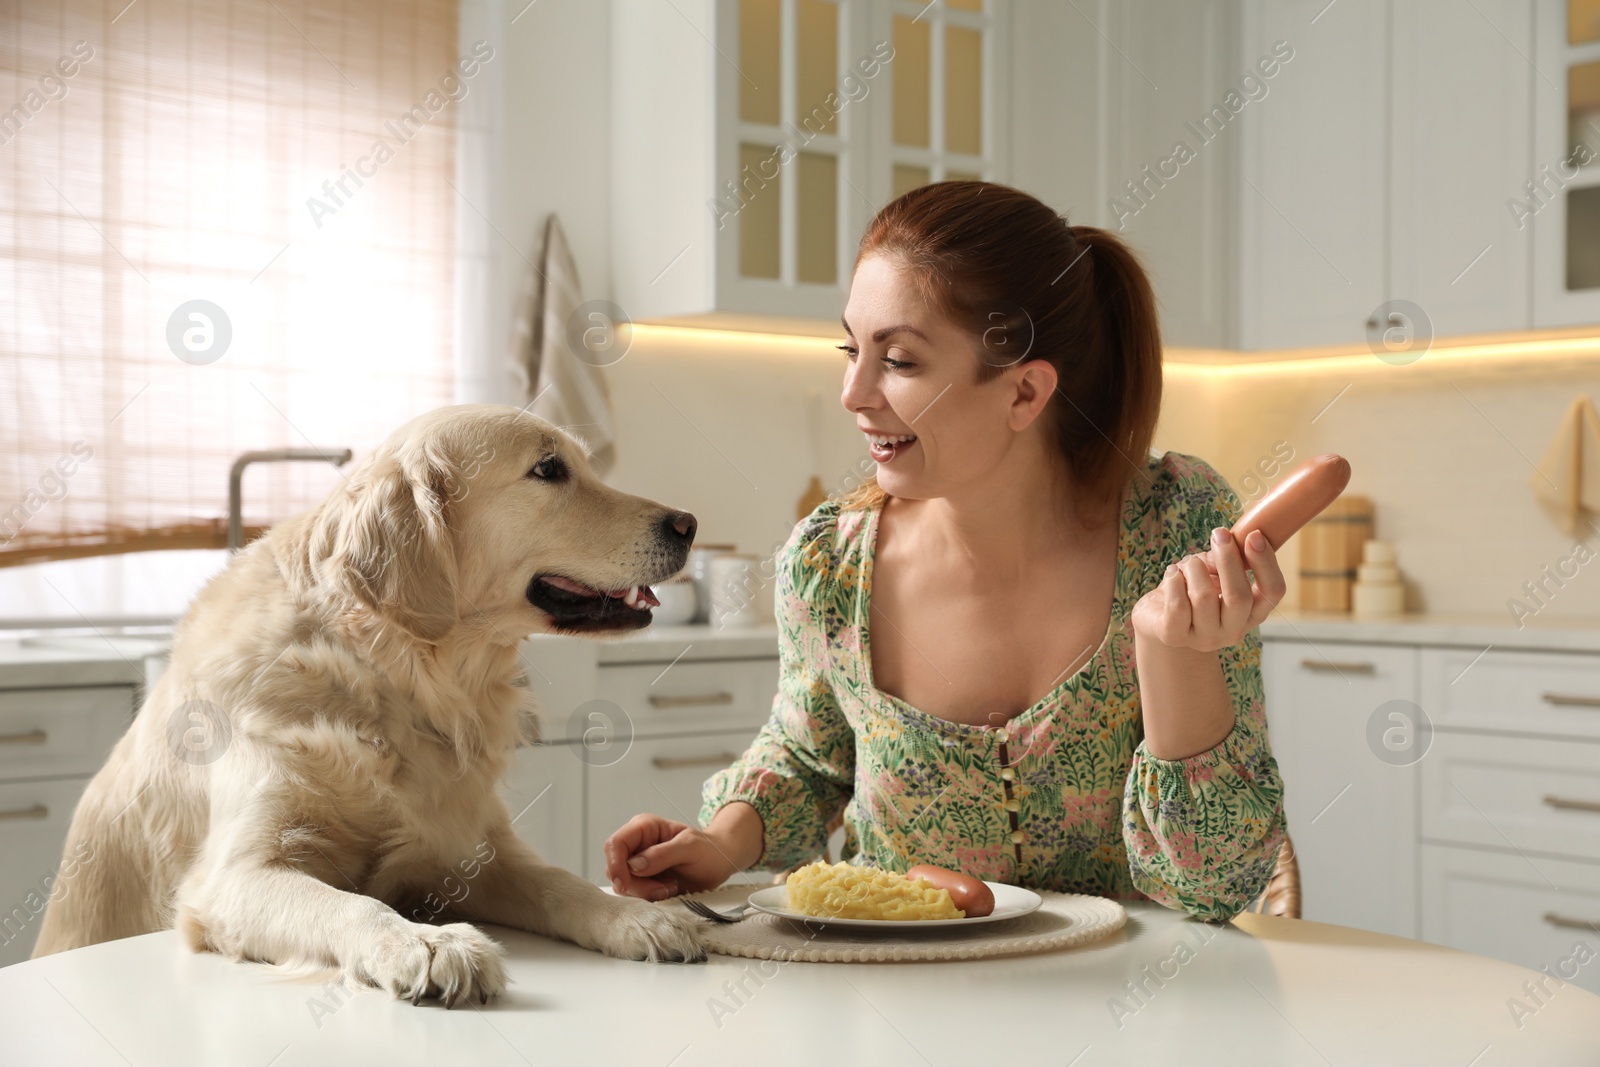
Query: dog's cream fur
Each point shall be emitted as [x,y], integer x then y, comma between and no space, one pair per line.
[357,672]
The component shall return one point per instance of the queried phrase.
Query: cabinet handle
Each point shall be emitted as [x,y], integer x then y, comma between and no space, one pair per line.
[703,700]
[32,737]
[1575,924]
[1330,665]
[38,811]
[1568,700]
[672,763]
[1573,805]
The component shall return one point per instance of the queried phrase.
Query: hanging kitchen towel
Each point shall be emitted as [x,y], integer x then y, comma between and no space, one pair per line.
[555,381]
[1567,481]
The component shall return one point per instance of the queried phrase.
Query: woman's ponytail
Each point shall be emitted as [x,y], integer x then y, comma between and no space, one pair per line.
[1124,360]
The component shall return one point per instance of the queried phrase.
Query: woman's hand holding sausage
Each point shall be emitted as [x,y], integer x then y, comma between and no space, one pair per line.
[1206,601]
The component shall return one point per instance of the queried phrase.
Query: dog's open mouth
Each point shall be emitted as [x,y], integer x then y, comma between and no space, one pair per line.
[578,607]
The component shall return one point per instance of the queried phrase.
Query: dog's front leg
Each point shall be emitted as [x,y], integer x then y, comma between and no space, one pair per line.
[264,911]
[514,887]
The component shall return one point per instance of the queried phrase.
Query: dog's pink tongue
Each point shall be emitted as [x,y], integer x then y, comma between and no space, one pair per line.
[647,597]
[569,585]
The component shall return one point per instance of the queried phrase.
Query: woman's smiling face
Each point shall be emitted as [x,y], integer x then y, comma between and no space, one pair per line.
[912,383]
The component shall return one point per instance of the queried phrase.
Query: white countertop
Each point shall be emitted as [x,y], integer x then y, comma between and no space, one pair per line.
[75,661]
[115,659]
[693,642]
[1258,991]
[1466,631]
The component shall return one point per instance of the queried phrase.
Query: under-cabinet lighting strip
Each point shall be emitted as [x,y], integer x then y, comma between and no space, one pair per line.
[1223,362]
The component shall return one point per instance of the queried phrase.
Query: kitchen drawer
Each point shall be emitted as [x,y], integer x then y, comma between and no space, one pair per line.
[662,775]
[1498,904]
[693,696]
[34,817]
[1533,793]
[47,733]
[1525,692]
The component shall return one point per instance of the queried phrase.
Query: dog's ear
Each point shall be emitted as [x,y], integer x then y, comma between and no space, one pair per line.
[391,547]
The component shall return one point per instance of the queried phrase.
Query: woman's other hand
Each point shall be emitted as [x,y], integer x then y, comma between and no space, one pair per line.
[656,858]
[1206,601]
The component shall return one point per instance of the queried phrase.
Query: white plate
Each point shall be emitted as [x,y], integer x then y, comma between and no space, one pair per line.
[1010,901]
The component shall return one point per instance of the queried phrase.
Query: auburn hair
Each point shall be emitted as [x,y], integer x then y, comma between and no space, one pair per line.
[1028,285]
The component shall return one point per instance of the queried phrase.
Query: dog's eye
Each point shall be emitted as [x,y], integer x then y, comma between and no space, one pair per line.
[549,469]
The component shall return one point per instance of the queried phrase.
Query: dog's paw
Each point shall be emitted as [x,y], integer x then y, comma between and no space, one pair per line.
[450,962]
[655,932]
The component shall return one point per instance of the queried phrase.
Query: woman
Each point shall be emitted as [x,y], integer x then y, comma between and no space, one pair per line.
[1028,651]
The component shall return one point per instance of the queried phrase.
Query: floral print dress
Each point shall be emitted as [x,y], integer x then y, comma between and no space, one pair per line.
[1063,796]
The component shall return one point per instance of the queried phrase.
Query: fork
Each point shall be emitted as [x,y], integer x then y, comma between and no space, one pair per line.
[706,911]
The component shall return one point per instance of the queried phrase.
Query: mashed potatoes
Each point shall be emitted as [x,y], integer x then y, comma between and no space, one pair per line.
[840,891]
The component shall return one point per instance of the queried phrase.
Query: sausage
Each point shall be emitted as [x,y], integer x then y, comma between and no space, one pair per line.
[1297,500]
[966,892]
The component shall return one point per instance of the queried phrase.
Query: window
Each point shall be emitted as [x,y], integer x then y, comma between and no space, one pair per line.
[225,225]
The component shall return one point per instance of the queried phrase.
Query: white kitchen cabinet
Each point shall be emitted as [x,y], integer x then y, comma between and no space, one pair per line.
[675,724]
[631,726]
[1352,814]
[1539,794]
[60,731]
[1528,909]
[544,791]
[1526,691]
[663,775]
[1372,165]
[1313,194]
[1501,813]
[691,697]
[34,817]
[753,140]
[52,740]
[1461,143]
[1171,209]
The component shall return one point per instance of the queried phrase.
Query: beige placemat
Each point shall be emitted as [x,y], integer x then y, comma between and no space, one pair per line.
[1063,920]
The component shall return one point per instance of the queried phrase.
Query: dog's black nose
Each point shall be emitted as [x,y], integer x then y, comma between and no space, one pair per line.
[679,526]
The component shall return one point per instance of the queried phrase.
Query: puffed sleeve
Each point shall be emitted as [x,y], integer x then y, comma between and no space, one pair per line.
[799,771]
[1203,833]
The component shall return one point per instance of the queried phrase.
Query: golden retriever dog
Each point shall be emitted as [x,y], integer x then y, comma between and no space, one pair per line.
[317,767]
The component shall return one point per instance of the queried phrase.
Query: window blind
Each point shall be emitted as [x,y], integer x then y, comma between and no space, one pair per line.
[225,225]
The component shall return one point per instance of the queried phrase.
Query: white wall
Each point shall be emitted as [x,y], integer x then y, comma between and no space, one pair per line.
[548,149]
[1444,449]
[720,425]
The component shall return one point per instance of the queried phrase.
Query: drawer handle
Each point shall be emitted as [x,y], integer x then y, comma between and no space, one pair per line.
[1330,665]
[32,737]
[38,811]
[1574,924]
[704,700]
[1573,805]
[1567,700]
[673,763]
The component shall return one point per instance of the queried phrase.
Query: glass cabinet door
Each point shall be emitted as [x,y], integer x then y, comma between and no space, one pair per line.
[825,110]
[1560,202]
[792,124]
[1583,132]
[942,74]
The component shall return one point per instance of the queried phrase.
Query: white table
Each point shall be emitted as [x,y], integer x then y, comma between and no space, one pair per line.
[1259,991]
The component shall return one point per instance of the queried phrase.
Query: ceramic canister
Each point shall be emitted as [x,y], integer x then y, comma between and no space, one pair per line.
[699,571]
[735,591]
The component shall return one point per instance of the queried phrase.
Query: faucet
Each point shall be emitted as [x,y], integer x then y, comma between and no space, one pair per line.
[337,456]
